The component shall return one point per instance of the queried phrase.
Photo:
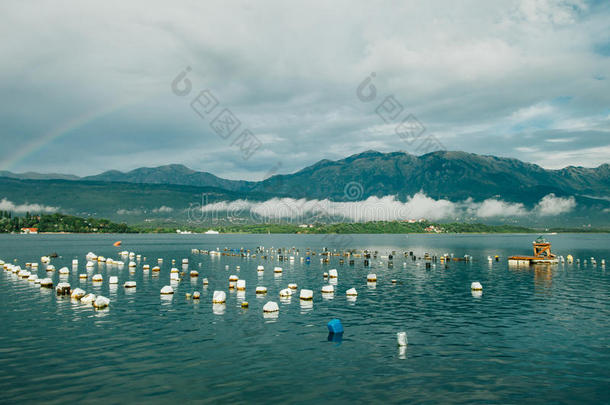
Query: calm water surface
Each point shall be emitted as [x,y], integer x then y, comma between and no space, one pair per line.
[535,335]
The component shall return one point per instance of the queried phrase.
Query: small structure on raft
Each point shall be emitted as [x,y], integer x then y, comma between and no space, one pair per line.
[542,254]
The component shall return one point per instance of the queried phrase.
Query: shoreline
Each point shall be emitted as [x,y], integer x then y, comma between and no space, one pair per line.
[532,232]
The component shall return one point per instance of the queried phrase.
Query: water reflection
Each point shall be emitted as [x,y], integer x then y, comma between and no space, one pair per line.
[402,352]
[219,309]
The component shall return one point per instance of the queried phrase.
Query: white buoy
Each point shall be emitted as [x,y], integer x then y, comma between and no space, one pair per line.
[83,275]
[156,269]
[167,290]
[328,289]
[113,280]
[129,284]
[306,294]
[185,261]
[63,289]
[260,268]
[219,297]
[292,286]
[174,270]
[277,270]
[351,292]
[261,290]
[286,292]
[46,282]
[88,299]
[205,281]
[23,274]
[233,277]
[476,286]
[194,274]
[371,278]
[97,277]
[33,277]
[146,267]
[332,273]
[271,306]
[401,338]
[75,262]
[101,302]
[132,264]
[64,270]
[78,293]
[240,285]
[196,295]
[50,267]
[174,276]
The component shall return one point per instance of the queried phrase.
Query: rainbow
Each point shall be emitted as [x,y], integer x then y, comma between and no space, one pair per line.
[58,132]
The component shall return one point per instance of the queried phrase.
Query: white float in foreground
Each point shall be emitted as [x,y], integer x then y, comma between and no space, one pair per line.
[332,273]
[129,284]
[113,280]
[277,270]
[328,289]
[46,282]
[78,293]
[63,289]
[401,338]
[261,290]
[371,278]
[271,306]
[166,290]
[101,302]
[286,292]
[241,285]
[306,294]
[88,299]
[351,292]
[476,286]
[97,277]
[219,297]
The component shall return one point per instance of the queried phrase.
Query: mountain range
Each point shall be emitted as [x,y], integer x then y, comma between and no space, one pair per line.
[449,175]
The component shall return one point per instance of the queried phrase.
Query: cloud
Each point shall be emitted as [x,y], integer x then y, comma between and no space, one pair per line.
[491,70]
[386,208]
[122,211]
[553,205]
[163,209]
[498,208]
[7,205]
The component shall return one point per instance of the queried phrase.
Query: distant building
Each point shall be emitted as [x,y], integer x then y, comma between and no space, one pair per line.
[29,230]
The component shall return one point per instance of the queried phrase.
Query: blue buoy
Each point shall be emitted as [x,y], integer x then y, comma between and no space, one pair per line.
[334,326]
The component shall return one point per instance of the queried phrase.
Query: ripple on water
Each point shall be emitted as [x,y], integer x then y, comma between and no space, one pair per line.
[527,323]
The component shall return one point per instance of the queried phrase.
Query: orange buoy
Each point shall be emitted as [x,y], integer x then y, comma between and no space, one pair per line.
[117,243]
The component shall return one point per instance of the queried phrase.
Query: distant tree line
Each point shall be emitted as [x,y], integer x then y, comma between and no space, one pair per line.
[59,223]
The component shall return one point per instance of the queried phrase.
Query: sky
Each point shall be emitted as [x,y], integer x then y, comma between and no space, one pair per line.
[92,86]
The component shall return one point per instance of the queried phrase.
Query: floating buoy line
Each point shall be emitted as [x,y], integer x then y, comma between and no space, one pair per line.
[367,258]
